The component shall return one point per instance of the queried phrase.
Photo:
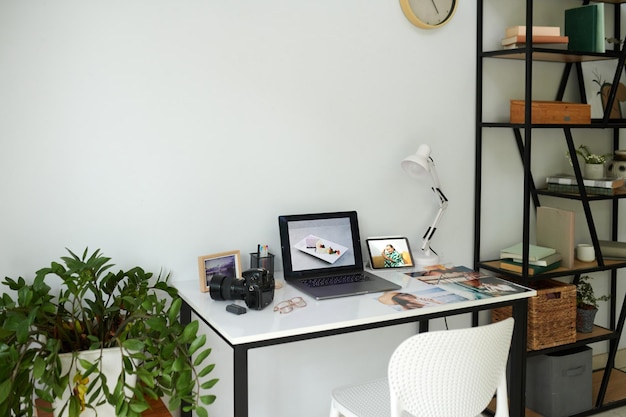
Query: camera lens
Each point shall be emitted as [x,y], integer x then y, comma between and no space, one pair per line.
[222,287]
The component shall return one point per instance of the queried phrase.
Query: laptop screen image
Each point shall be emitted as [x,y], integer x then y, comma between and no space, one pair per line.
[314,243]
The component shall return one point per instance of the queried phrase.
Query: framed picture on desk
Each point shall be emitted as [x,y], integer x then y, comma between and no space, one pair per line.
[389,252]
[223,263]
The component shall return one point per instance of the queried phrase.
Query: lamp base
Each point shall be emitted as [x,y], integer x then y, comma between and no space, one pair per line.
[425,258]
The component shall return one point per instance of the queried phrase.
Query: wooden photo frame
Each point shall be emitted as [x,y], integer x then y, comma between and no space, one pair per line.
[225,263]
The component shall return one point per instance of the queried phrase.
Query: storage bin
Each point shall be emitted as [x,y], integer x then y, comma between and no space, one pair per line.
[560,384]
[551,314]
[552,112]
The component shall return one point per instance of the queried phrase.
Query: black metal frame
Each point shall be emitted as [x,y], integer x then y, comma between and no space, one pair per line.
[531,194]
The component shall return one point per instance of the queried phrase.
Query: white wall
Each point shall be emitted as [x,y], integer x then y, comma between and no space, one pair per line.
[159,131]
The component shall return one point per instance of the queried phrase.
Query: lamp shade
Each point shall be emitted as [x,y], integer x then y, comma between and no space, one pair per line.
[417,165]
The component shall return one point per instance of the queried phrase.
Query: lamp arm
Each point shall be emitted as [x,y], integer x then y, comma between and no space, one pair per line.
[433,227]
[443,205]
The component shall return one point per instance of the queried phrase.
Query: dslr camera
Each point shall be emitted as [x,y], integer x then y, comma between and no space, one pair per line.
[256,288]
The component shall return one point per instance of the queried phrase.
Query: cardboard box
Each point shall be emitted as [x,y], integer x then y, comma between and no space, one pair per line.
[552,112]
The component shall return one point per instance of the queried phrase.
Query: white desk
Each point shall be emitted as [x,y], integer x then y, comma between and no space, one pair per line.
[330,317]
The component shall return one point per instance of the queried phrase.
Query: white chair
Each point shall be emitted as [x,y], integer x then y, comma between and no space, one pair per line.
[450,373]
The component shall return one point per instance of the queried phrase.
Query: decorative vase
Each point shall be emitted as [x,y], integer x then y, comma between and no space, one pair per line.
[617,169]
[593,171]
[584,319]
[111,367]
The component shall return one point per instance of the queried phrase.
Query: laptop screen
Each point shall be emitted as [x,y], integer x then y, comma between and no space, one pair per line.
[315,244]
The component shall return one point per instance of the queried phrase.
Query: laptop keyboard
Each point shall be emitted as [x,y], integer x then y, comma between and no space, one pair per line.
[335,280]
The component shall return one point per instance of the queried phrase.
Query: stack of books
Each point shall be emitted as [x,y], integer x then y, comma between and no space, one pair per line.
[515,36]
[563,183]
[540,259]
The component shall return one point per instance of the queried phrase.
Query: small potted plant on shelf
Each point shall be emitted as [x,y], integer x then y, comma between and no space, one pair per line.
[594,163]
[55,343]
[586,305]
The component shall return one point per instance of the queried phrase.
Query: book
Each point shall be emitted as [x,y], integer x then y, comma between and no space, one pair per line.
[532,269]
[521,39]
[537,31]
[611,249]
[573,189]
[548,260]
[555,229]
[535,252]
[523,45]
[607,182]
[584,26]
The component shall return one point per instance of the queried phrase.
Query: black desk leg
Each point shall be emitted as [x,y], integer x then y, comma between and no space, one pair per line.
[185,318]
[240,365]
[517,362]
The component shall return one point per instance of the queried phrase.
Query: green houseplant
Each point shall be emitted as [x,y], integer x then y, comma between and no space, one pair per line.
[586,304]
[95,309]
[594,163]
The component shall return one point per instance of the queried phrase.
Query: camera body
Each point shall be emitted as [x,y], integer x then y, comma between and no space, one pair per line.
[256,288]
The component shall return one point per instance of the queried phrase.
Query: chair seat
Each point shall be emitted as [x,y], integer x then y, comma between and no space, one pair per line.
[369,399]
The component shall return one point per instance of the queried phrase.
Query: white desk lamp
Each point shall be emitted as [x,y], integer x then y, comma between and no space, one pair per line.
[417,166]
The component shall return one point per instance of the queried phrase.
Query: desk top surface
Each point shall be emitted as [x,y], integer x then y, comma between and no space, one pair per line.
[333,314]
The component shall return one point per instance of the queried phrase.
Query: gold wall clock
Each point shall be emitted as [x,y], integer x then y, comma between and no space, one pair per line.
[428,14]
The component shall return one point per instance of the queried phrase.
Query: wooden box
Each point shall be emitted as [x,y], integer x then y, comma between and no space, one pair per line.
[552,112]
[551,315]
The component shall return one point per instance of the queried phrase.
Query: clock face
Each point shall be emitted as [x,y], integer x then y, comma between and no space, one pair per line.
[428,14]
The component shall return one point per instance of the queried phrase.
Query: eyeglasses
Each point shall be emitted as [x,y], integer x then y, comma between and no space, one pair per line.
[287,306]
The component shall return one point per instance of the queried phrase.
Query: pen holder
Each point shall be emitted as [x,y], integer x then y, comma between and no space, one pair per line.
[265,262]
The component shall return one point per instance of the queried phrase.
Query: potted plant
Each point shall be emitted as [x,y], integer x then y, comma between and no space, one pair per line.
[586,305]
[96,311]
[594,163]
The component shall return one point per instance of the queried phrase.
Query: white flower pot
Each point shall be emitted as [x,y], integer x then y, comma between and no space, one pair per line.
[111,367]
[593,171]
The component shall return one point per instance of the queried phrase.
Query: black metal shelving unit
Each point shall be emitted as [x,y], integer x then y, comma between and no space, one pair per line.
[571,63]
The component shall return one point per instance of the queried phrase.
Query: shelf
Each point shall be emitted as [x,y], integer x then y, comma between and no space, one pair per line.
[569,63]
[551,55]
[595,124]
[579,268]
[621,193]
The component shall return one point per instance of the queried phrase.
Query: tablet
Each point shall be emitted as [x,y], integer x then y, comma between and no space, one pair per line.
[389,252]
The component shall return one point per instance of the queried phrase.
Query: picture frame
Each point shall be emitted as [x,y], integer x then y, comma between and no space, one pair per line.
[225,263]
[399,244]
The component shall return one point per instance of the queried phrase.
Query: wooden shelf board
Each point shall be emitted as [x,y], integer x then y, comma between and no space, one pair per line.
[620,192]
[597,332]
[548,55]
[579,267]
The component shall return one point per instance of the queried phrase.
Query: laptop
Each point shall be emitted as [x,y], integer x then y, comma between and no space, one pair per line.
[322,256]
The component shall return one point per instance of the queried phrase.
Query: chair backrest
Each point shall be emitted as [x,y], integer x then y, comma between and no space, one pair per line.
[451,373]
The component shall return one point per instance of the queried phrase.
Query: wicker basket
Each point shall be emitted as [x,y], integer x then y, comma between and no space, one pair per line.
[551,315]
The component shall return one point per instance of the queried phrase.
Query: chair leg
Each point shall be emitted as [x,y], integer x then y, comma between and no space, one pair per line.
[502,400]
[333,410]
